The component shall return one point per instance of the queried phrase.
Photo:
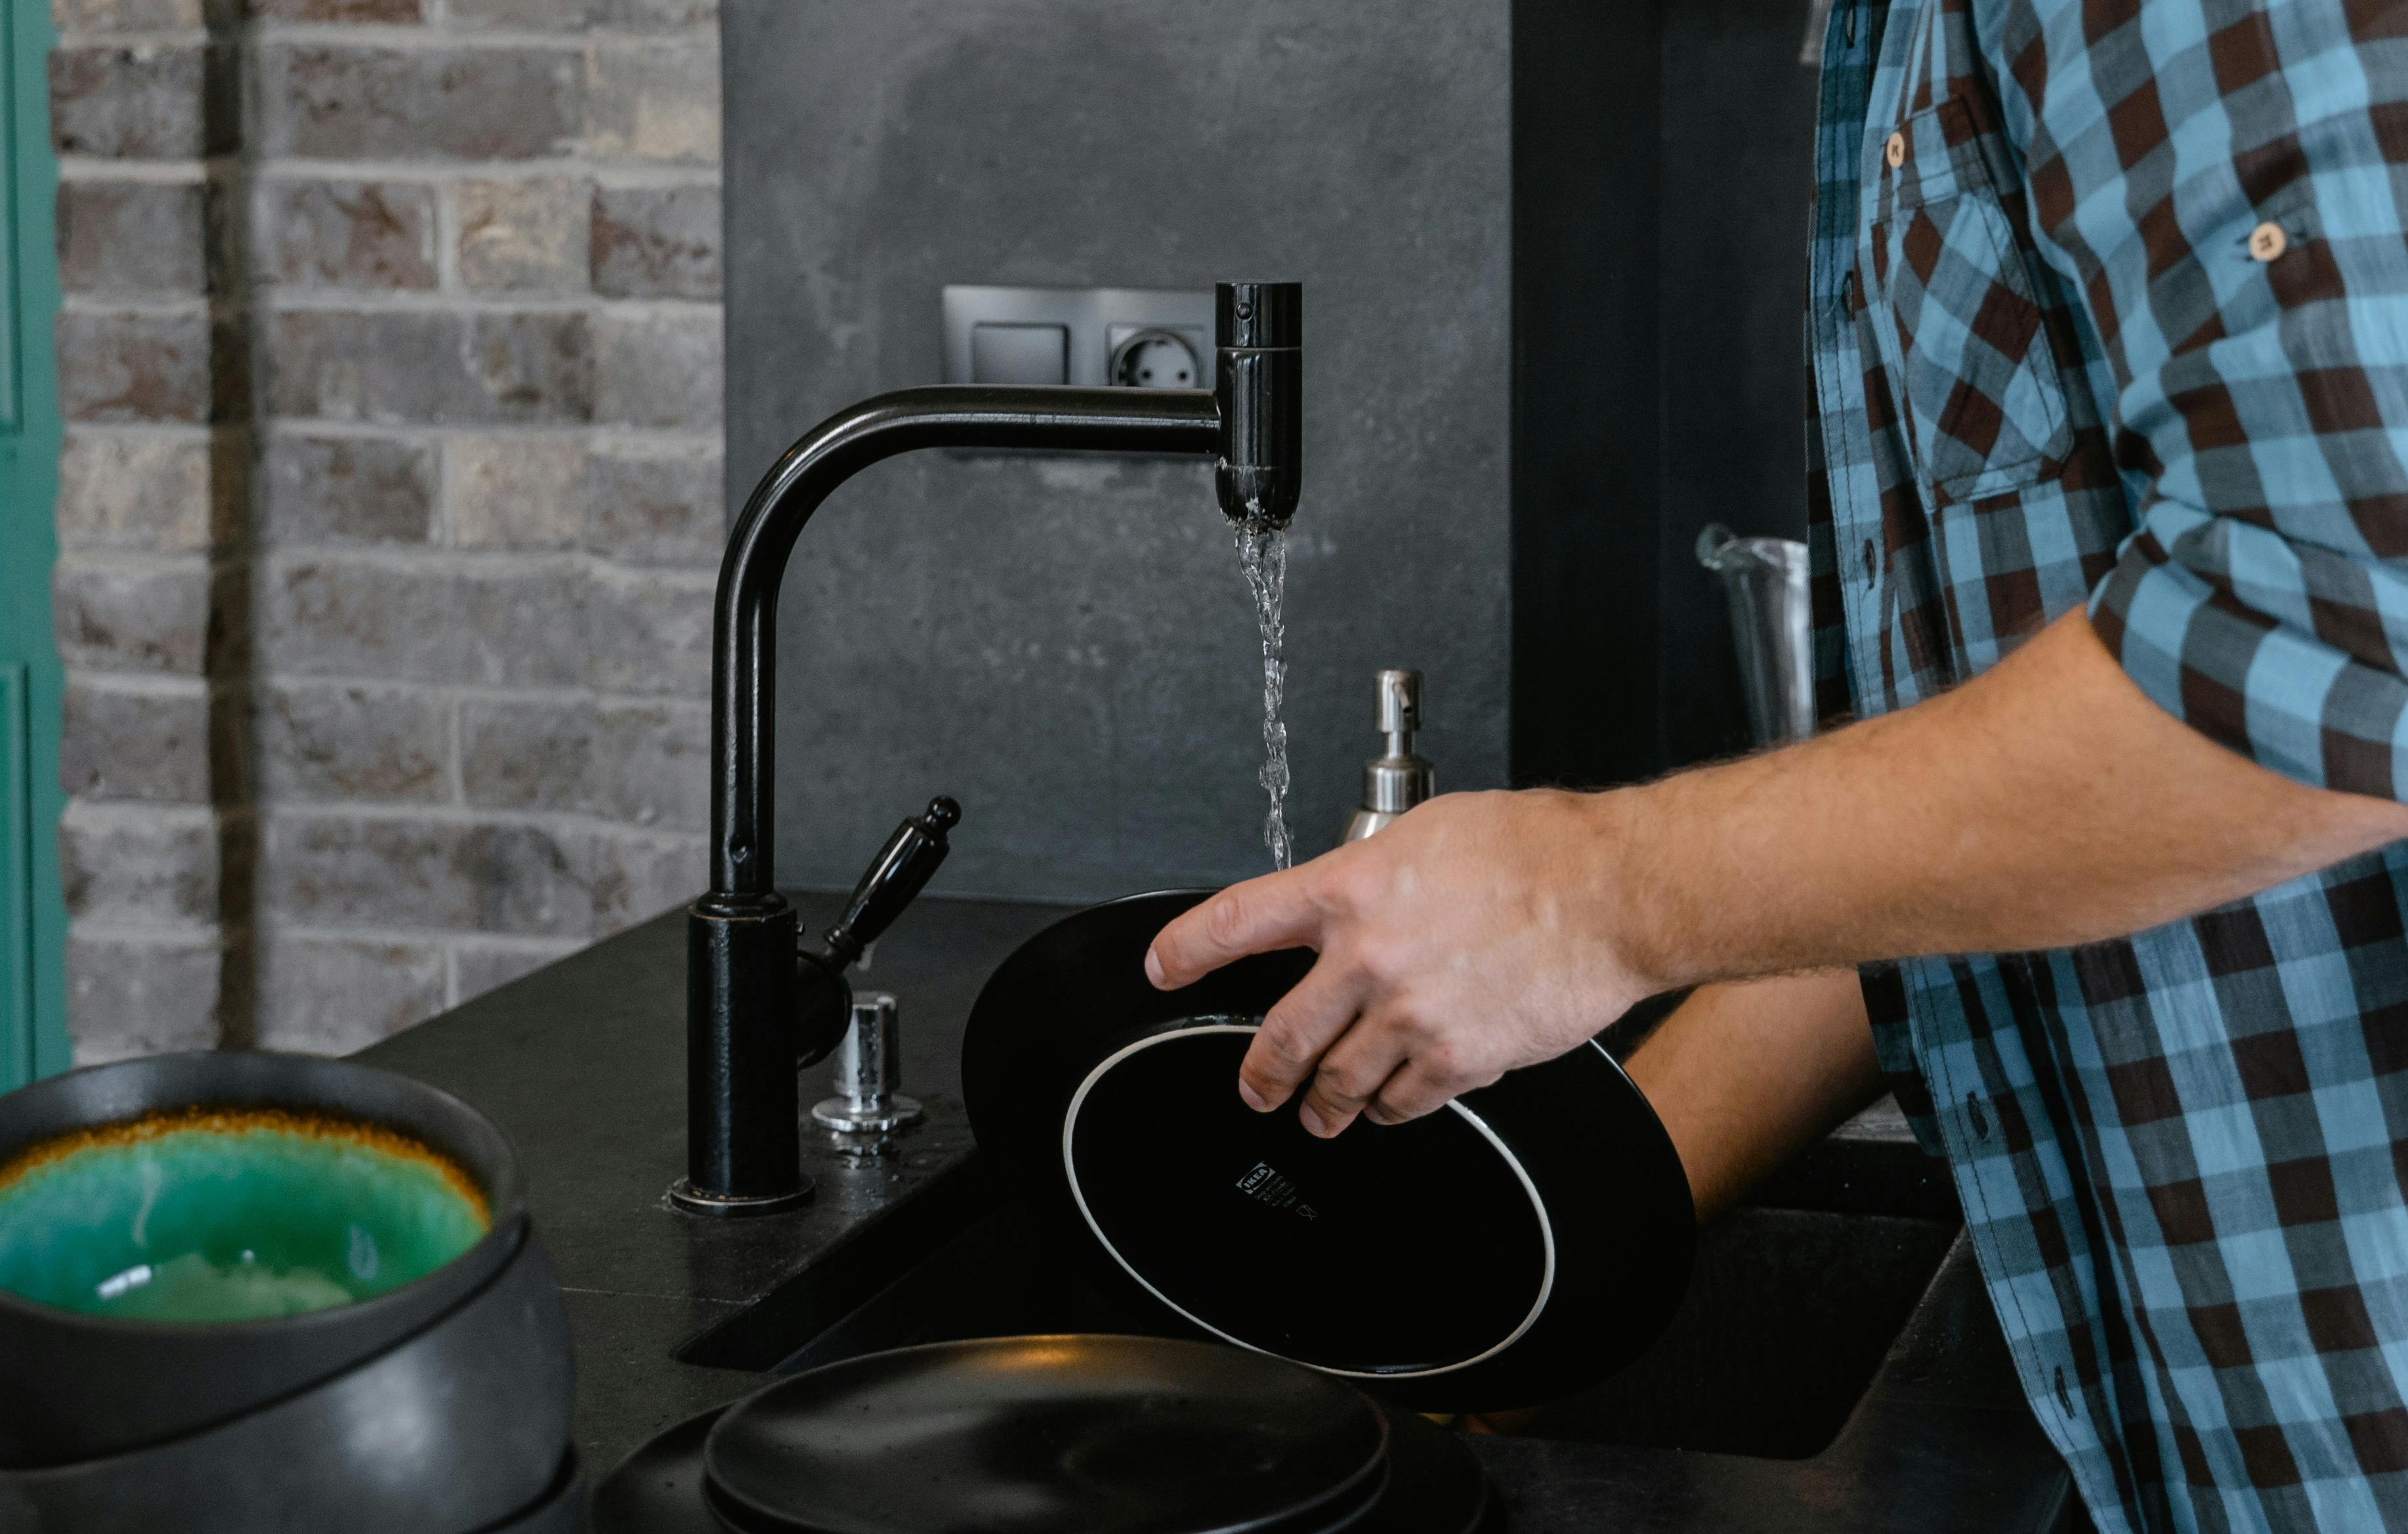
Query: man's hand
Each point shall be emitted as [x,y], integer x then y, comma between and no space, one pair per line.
[1454,946]
[2045,803]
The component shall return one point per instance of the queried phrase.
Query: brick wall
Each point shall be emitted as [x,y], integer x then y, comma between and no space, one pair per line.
[389,500]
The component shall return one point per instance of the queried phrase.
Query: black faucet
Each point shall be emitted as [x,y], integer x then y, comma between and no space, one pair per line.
[759,1006]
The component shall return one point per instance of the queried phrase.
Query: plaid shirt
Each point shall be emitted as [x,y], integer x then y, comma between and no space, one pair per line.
[2109,306]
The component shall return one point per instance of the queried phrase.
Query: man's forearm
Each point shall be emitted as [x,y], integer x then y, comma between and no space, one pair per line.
[2045,803]
[1745,1075]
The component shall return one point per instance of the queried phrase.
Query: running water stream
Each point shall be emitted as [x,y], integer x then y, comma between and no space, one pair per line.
[1262,554]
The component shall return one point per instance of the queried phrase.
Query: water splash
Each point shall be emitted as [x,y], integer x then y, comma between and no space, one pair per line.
[1262,555]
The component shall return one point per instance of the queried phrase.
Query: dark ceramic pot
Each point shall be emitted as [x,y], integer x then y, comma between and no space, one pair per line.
[463,1426]
[75,1388]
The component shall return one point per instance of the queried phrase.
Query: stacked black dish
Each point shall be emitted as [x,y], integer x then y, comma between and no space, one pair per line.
[250,1292]
[1050,1435]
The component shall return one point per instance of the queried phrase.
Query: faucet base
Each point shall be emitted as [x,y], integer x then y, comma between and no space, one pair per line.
[689,1199]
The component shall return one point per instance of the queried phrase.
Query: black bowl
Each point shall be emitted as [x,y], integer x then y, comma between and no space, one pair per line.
[76,1387]
[463,1426]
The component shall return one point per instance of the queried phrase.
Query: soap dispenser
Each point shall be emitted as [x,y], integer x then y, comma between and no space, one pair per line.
[1397,780]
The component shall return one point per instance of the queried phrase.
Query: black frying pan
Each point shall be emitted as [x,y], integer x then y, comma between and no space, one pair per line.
[1530,1239]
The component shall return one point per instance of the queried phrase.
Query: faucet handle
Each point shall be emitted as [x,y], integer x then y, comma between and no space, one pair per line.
[898,873]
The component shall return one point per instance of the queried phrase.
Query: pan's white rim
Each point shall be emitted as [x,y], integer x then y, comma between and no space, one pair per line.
[1530,1189]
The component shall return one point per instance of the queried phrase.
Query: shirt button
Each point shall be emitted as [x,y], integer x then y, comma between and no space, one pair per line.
[2267,242]
[1871,565]
[1896,152]
[1980,1120]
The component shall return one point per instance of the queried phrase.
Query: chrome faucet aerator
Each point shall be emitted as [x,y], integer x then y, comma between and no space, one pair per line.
[756,1005]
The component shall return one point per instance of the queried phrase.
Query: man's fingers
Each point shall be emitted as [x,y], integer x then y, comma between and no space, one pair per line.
[1294,1033]
[1411,1092]
[1351,1074]
[1276,911]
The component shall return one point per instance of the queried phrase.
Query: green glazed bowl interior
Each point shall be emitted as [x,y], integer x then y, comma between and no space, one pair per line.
[221,1215]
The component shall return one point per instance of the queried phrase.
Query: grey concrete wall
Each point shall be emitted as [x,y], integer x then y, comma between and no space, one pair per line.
[1066,644]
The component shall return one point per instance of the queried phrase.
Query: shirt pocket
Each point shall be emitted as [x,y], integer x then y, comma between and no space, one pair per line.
[1984,401]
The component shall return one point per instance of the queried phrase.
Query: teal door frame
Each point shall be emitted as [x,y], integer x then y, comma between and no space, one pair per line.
[33,920]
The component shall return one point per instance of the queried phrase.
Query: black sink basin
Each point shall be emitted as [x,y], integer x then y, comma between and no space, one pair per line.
[1795,1301]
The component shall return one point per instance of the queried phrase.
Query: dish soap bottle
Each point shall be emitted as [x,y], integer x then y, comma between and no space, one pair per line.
[1399,780]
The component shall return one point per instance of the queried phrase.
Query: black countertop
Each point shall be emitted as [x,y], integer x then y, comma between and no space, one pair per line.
[581,1064]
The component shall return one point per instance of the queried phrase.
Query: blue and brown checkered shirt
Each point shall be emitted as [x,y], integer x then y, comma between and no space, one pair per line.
[2109,306]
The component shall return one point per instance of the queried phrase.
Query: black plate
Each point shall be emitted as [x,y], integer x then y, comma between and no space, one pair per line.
[1431,1485]
[1525,1242]
[1049,1435]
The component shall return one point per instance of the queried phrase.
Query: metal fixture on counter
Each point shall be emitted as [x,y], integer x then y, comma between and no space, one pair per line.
[1771,628]
[753,1011]
[869,1069]
[1397,779]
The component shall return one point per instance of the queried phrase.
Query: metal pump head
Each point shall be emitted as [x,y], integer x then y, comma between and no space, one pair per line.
[1259,382]
[1398,778]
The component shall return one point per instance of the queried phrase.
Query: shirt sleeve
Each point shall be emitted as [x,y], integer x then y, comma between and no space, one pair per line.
[2227,201]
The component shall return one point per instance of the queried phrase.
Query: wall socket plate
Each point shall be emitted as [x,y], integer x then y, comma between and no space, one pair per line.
[1094,321]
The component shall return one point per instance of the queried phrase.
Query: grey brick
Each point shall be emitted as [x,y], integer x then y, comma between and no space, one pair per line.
[431,368]
[147,101]
[658,369]
[129,997]
[72,16]
[655,507]
[140,865]
[118,238]
[656,242]
[654,100]
[656,15]
[127,368]
[345,234]
[183,618]
[652,764]
[524,754]
[398,11]
[649,631]
[347,491]
[174,746]
[139,493]
[515,493]
[477,969]
[513,626]
[468,876]
[531,15]
[324,101]
[335,742]
[527,235]
[334,996]
[638,876]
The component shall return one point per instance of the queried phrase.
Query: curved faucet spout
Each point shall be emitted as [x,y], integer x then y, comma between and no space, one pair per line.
[744,1034]
[744,630]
